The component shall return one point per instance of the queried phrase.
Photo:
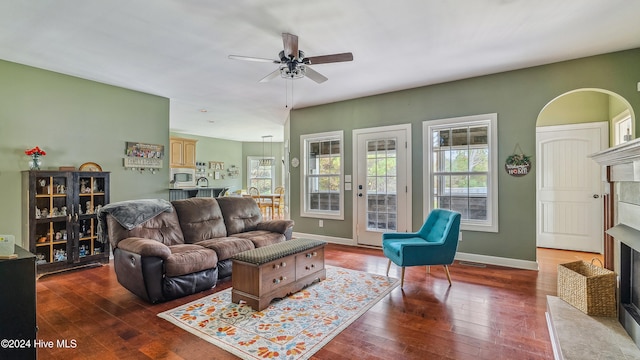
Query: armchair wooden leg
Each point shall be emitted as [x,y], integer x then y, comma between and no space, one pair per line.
[428,269]
[446,270]
[388,267]
[402,279]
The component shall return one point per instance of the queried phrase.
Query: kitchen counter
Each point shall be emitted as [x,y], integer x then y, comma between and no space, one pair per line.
[185,193]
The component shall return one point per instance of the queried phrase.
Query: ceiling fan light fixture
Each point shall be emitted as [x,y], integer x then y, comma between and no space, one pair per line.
[296,73]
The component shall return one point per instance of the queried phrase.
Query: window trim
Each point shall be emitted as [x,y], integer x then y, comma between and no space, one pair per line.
[273,169]
[491,224]
[304,149]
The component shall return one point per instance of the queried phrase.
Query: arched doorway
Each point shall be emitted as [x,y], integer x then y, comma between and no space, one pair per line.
[569,187]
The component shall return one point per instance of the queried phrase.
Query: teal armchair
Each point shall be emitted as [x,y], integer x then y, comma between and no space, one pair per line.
[434,244]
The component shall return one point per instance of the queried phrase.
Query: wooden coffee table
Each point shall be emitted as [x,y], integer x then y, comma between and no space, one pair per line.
[260,275]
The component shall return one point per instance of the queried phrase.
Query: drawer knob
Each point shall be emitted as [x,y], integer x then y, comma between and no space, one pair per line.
[276,266]
[308,255]
[309,267]
[276,281]
[315,253]
[283,278]
[284,264]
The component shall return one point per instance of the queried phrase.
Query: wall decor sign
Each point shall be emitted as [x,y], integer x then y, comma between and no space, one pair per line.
[518,164]
[150,151]
[141,156]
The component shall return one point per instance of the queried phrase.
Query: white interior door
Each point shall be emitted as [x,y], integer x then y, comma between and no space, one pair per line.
[569,188]
[381,182]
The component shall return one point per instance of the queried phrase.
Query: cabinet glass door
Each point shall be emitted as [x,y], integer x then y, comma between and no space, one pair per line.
[92,195]
[52,214]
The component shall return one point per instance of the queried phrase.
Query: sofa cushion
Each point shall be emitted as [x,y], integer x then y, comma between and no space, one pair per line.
[189,258]
[240,214]
[200,219]
[261,238]
[226,247]
[164,228]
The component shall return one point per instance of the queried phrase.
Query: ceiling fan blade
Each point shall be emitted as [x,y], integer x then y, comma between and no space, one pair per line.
[271,76]
[324,59]
[314,75]
[290,42]
[249,58]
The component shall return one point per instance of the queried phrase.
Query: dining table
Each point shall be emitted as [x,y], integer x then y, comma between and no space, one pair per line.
[270,197]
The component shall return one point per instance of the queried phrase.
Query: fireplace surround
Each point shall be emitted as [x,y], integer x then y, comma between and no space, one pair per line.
[621,170]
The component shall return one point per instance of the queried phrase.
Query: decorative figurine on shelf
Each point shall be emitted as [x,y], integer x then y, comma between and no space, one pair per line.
[83,186]
[89,208]
[59,255]
[79,209]
[64,234]
[58,235]
[63,211]
[38,213]
[97,209]
[40,259]
[44,213]
[95,185]
[61,189]
[54,212]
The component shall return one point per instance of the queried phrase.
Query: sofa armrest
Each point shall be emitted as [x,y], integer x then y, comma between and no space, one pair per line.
[145,247]
[277,226]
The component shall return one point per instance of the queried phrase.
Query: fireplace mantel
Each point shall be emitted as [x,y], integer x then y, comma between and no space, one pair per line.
[623,159]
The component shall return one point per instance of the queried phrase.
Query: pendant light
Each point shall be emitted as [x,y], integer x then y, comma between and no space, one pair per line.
[267,161]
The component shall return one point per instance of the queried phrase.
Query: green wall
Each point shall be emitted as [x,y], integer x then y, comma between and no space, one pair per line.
[74,121]
[227,151]
[576,107]
[517,97]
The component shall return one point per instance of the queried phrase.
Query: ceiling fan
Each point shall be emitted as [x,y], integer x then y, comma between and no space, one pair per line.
[294,64]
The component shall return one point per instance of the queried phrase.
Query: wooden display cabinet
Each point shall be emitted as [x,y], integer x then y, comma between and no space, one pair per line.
[60,221]
[183,152]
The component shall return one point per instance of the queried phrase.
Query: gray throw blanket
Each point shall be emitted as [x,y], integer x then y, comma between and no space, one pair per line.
[130,213]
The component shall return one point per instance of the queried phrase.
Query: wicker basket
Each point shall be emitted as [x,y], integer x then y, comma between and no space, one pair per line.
[590,288]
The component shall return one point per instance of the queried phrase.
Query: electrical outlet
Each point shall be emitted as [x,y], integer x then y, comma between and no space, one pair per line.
[321,223]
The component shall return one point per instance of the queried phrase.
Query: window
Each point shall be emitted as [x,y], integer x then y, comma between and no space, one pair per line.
[322,175]
[460,170]
[261,174]
[623,127]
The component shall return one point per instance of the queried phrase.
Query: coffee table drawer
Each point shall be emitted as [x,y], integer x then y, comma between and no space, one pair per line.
[278,274]
[309,262]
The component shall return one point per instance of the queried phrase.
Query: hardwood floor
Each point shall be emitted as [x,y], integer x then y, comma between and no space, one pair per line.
[489,313]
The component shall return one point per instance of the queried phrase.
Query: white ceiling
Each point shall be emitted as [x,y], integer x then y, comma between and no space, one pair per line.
[178,49]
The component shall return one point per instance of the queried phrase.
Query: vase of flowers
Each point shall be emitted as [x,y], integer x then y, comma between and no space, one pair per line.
[36,153]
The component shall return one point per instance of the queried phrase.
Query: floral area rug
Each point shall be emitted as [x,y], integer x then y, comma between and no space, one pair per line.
[294,327]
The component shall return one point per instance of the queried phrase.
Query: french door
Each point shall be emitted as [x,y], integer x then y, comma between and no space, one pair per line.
[382,165]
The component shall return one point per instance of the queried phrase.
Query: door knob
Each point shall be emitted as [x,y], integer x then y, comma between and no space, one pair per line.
[595,196]
[360,194]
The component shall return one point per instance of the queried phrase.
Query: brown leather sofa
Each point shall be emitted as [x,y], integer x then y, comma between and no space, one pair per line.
[185,246]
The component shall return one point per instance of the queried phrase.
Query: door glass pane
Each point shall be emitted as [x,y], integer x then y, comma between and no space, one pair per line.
[381,184]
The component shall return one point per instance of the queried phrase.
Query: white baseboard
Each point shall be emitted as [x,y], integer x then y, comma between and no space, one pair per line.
[483,259]
[496,260]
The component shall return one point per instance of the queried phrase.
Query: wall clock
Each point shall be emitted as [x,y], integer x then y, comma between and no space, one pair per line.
[90,166]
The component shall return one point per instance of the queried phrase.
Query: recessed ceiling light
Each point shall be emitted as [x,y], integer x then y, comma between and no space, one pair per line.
[204,110]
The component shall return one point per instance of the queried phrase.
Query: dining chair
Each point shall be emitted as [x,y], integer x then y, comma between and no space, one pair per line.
[435,243]
[279,201]
[262,204]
